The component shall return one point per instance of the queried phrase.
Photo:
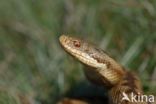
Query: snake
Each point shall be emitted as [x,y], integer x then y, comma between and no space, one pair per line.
[104,71]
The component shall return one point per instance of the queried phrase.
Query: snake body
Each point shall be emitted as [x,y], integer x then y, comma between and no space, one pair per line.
[103,70]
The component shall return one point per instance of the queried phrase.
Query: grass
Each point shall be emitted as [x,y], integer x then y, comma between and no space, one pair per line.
[34,68]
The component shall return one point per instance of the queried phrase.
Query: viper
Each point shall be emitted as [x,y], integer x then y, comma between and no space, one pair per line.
[104,71]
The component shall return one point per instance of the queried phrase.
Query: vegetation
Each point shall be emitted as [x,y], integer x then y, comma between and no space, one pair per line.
[33,67]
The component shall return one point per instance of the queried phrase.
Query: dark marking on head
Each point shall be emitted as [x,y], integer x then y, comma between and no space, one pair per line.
[76,43]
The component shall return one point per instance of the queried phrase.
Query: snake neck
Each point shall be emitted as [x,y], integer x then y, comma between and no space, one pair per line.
[128,87]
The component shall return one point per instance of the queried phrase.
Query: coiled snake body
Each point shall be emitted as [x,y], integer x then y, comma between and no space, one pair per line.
[103,70]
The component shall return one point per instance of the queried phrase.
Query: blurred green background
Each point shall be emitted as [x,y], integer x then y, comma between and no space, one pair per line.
[34,69]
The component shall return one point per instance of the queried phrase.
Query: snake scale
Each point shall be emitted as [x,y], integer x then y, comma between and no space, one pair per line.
[103,70]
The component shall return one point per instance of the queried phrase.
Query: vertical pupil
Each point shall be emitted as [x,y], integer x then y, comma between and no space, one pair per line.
[77,43]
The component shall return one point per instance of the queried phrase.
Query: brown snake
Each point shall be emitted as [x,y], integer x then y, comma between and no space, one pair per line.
[103,70]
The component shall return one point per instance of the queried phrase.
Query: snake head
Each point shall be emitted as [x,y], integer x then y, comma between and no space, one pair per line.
[86,53]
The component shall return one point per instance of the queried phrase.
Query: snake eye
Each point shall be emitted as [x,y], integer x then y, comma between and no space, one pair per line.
[76,43]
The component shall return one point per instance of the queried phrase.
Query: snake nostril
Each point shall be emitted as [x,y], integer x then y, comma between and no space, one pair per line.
[77,43]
